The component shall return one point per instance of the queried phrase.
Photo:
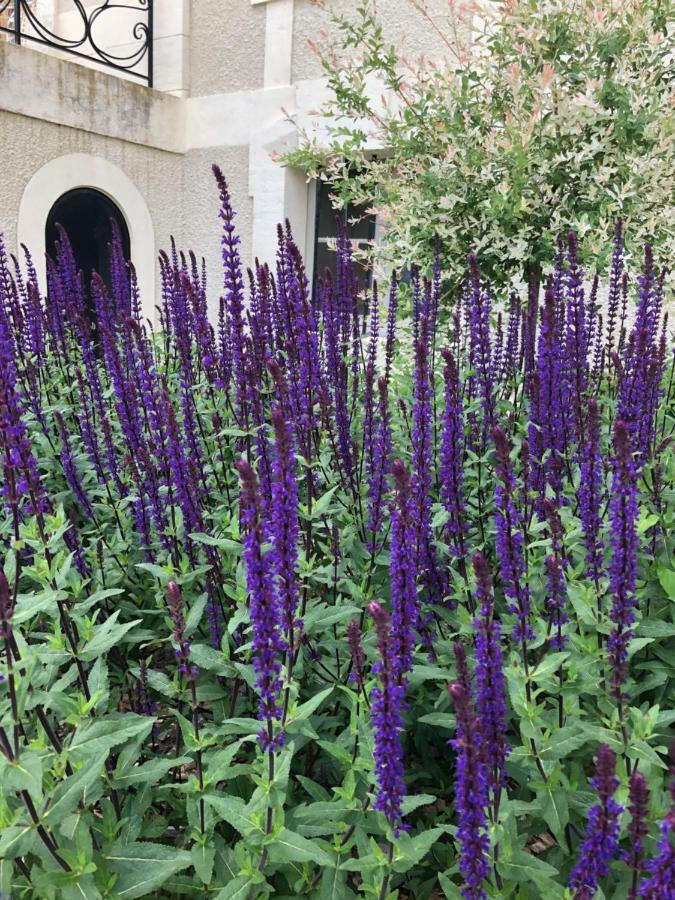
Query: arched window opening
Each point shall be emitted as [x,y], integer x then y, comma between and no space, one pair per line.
[86,215]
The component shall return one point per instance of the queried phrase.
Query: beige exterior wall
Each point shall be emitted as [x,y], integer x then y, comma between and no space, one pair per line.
[227,46]
[403,25]
[233,79]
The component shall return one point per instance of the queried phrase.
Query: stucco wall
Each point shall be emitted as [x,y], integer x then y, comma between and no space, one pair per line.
[227,46]
[179,190]
[402,24]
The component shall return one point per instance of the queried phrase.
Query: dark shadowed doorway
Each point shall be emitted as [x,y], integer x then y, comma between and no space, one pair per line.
[86,215]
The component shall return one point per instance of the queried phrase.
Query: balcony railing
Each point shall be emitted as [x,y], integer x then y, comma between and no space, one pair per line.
[115,34]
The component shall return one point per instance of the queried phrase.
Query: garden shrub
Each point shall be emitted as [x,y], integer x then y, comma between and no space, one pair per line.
[536,118]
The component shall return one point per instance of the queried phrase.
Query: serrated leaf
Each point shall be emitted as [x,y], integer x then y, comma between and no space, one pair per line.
[73,790]
[149,772]
[334,885]
[141,867]
[411,850]
[203,858]
[226,544]
[237,889]
[305,710]
[231,810]
[291,847]
[562,742]
[94,736]
[107,635]
[523,866]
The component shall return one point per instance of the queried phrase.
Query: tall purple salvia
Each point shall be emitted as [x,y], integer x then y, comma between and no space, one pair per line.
[391,327]
[405,616]
[480,347]
[614,292]
[576,338]
[385,712]
[624,511]
[556,601]
[601,842]
[591,492]
[428,565]
[471,796]
[381,457]
[546,430]
[638,829]
[70,469]
[510,540]
[234,289]
[285,528]
[268,643]
[451,460]
[660,876]
[490,685]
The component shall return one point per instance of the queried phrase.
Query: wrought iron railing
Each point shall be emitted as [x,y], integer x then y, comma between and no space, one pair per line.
[82,29]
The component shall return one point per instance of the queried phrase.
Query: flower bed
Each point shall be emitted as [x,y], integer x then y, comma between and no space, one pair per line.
[289,611]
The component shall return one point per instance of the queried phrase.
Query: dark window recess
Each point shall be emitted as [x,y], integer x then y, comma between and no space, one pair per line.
[85,215]
[360,227]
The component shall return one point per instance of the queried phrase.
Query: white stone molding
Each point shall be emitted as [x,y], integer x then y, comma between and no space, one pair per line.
[79,170]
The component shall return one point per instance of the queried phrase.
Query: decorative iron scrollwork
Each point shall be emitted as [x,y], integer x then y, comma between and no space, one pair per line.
[25,21]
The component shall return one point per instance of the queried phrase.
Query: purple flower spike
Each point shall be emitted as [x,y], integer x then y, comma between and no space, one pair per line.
[385,712]
[285,527]
[638,829]
[405,618]
[556,600]
[601,842]
[590,492]
[451,457]
[268,643]
[471,797]
[490,687]
[624,512]
[510,540]
[661,868]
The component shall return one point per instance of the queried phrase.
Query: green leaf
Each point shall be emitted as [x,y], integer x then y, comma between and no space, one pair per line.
[410,804]
[74,789]
[94,736]
[149,772]
[411,850]
[142,867]
[226,544]
[231,810]
[549,664]
[29,605]
[562,742]
[646,521]
[305,710]
[440,720]
[334,885]
[107,635]
[238,889]
[554,810]
[667,580]
[288,846]
[523,866]
[203,858]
